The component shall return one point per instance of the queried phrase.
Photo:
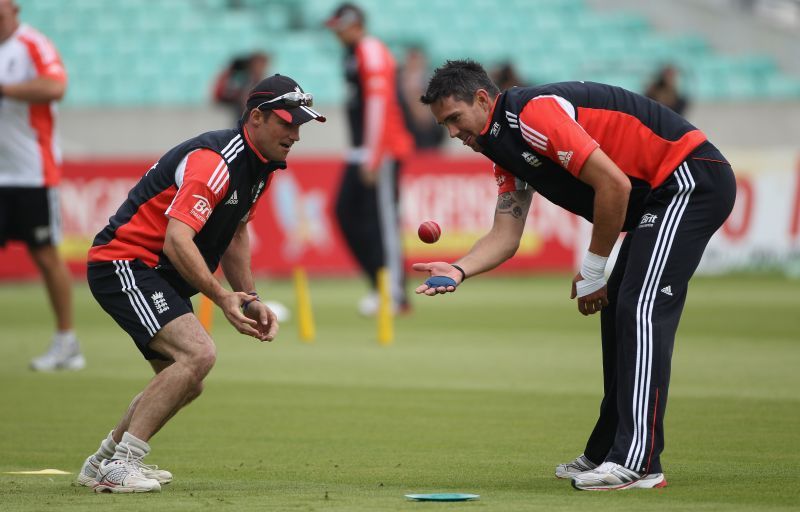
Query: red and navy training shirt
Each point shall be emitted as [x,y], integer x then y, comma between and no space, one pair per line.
[210,182]
[543,135]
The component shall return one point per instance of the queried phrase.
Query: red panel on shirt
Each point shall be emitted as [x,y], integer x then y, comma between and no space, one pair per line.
[506,182]
[41,119]
[205,183]
[48,64]
[636,149]
[552,132]
[384,128]
[44,56]
[142,237]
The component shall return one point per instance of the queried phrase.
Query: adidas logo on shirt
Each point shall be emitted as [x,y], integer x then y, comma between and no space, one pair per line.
[233,199]
[564,157]
[667,290]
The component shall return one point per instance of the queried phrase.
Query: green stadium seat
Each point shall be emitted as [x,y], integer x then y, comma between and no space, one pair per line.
[184,44]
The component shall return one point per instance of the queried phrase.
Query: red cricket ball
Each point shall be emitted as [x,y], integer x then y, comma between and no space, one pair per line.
[429,232]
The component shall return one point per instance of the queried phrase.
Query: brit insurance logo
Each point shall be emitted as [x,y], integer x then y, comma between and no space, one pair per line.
[531,159]
[151,169]
[202,208]
[648,220]
[159,302]
[495,129]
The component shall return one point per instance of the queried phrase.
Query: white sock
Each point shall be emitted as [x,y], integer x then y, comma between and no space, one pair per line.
[131,447]
[107,448]
[66,338]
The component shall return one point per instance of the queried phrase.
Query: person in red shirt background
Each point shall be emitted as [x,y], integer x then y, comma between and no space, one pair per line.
[32,80]
[367,202]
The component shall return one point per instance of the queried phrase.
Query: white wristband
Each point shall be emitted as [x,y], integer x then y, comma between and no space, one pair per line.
[593,273]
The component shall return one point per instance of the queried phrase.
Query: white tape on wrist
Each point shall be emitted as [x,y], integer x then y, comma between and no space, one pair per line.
[593,273]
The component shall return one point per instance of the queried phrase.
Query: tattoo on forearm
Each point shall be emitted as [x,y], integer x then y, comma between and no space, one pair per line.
[513,203]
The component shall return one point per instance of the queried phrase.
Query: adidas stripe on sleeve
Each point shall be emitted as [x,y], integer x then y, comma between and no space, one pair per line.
[548,125]
[202,181]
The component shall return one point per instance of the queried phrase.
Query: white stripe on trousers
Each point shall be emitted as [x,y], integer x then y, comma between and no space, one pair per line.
[137,300]
[388,215]
[54,204]
[644,314]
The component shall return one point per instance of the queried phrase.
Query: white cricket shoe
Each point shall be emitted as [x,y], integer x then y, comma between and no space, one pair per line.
[88,473]
[162,476]
[369,304]
[120,476]
[610,476]
[64,354]
[87,476]
[573,467]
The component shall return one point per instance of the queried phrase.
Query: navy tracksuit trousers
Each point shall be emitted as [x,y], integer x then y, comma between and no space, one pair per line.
[647,291]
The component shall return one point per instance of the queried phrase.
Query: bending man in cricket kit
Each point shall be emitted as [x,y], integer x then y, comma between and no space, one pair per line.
[625,163]
[187,215]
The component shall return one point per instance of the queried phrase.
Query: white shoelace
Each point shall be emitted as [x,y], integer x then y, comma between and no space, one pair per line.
[135,462]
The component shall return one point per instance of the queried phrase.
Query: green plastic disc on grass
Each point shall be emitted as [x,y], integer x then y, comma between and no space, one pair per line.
[445,496]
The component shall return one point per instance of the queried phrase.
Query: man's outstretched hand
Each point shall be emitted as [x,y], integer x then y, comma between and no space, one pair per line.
[442,277]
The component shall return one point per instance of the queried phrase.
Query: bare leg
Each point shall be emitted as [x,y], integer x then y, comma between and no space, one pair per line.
[58,282]
[177,382]
[125,422]
[186,342]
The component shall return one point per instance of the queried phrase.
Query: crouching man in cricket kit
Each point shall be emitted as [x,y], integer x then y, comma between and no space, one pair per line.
[186,216]
[625,163]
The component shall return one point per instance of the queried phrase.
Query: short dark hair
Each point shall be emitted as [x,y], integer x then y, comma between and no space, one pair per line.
[460,79]
[345,15]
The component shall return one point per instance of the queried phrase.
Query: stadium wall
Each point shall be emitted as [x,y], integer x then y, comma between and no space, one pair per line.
[296,226]
[122,133]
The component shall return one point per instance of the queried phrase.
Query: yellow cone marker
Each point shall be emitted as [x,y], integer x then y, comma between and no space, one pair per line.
[39,472]
[305,316]
[385,320]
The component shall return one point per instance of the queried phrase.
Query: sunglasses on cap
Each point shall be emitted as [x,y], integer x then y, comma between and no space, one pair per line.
[291,99]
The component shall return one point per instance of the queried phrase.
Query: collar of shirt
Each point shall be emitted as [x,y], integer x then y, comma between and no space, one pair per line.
[481,138]
[254,154]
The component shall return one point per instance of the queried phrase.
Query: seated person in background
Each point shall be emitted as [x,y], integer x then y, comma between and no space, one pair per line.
[412,81]
[235,81]
[664,89]
[506,77]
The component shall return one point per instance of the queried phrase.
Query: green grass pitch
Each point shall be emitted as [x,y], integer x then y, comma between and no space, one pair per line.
[484,392]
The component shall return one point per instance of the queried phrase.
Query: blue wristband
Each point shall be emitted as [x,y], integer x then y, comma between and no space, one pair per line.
[437,281]
[254,299]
